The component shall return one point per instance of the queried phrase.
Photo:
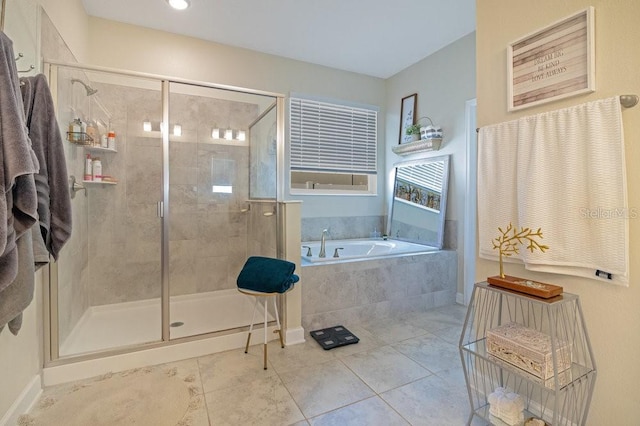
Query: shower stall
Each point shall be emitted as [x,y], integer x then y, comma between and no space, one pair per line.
[189,190]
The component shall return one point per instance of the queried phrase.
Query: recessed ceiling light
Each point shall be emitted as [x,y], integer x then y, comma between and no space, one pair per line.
[179,4]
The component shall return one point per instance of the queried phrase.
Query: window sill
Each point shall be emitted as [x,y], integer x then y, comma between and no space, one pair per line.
[324,192]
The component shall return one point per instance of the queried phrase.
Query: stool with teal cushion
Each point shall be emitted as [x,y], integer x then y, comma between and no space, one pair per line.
[262,278]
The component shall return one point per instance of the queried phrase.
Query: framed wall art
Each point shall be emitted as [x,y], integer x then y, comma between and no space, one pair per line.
[555,62]
[407,116]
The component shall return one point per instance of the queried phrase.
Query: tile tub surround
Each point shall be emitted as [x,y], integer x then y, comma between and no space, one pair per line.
[362,291]
[342,228]
[352,227]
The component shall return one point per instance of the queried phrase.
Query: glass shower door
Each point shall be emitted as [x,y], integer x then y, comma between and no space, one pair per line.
[109,274]
[209,206]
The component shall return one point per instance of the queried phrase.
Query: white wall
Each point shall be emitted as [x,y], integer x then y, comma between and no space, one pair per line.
[72,23]
[611,312]
[21,356]
[443,81]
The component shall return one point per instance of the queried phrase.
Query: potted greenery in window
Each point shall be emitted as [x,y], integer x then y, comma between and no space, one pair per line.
[414,132]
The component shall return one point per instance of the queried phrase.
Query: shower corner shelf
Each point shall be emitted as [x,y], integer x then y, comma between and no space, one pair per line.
[79,138]
[561,399]
[100,183]
[99,149]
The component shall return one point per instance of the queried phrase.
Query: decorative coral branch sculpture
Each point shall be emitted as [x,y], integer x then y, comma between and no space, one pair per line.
[509,240]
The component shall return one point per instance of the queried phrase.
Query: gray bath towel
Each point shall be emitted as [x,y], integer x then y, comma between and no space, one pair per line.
[18,163]
[54,202]
[18,295]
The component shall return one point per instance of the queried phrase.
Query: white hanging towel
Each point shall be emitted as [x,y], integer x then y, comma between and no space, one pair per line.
[497,189]
[570,181]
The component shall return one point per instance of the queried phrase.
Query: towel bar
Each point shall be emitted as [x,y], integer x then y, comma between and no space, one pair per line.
[627,101]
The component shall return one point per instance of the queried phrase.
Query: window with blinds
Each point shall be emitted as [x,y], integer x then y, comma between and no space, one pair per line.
[332,146]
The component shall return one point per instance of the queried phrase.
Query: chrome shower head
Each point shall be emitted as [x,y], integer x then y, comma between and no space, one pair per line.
[90,90]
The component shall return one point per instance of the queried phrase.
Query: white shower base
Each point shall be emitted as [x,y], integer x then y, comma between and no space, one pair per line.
[134,323]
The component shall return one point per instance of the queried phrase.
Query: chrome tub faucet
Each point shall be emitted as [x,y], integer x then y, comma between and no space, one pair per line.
[322,243]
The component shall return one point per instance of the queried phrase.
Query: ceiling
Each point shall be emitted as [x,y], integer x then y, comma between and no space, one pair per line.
[373,37]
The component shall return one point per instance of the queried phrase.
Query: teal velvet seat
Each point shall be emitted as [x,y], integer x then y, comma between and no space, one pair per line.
[262,278]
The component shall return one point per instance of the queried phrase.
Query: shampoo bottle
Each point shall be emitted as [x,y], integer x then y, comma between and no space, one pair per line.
[111,140]
[97,170]
[74,130]
[88,170]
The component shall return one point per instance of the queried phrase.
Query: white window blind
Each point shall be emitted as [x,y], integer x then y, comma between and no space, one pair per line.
[332,138]
[425,177]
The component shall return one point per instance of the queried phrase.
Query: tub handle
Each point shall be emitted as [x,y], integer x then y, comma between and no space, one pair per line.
[335,253]
[309,254]
[76,187]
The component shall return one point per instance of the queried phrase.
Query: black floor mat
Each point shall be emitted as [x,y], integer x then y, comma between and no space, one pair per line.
[333,337]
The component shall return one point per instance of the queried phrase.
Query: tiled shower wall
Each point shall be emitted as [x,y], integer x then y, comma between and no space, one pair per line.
[262,229]
[73,263]
[208,232]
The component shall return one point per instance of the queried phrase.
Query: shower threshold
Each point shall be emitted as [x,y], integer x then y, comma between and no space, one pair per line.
[134,323]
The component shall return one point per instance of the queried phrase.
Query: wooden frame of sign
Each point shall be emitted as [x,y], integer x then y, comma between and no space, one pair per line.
[555,62]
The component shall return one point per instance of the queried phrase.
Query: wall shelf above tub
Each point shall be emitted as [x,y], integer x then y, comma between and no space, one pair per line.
[422,145]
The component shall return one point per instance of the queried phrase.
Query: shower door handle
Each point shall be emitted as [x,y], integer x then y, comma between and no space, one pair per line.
[160,212]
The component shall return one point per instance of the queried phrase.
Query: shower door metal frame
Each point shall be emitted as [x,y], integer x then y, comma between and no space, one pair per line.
[50,299]
[164,234]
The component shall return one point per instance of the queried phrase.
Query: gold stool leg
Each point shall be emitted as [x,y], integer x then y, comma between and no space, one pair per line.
[281,340]
[253,317]
[265,356]
[246,348]
[279,330]
[266,308]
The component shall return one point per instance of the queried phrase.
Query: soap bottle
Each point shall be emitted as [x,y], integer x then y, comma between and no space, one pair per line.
[111,140]
[88,170]
[97,169]
[74,130]
[92,132]
[104,142]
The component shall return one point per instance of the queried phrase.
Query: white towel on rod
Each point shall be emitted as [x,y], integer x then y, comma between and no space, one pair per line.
[497,189]
[571,182]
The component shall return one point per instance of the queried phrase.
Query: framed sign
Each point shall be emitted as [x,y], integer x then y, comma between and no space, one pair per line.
[552,63]
[407,116]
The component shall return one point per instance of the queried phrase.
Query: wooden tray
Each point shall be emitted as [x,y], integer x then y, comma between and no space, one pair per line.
[522,285]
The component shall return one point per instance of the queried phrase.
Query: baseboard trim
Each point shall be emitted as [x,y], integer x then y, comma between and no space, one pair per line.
[23,404]
[294,336]
[460,298]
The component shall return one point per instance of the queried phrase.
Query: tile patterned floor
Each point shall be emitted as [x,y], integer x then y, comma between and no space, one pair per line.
[405,371]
